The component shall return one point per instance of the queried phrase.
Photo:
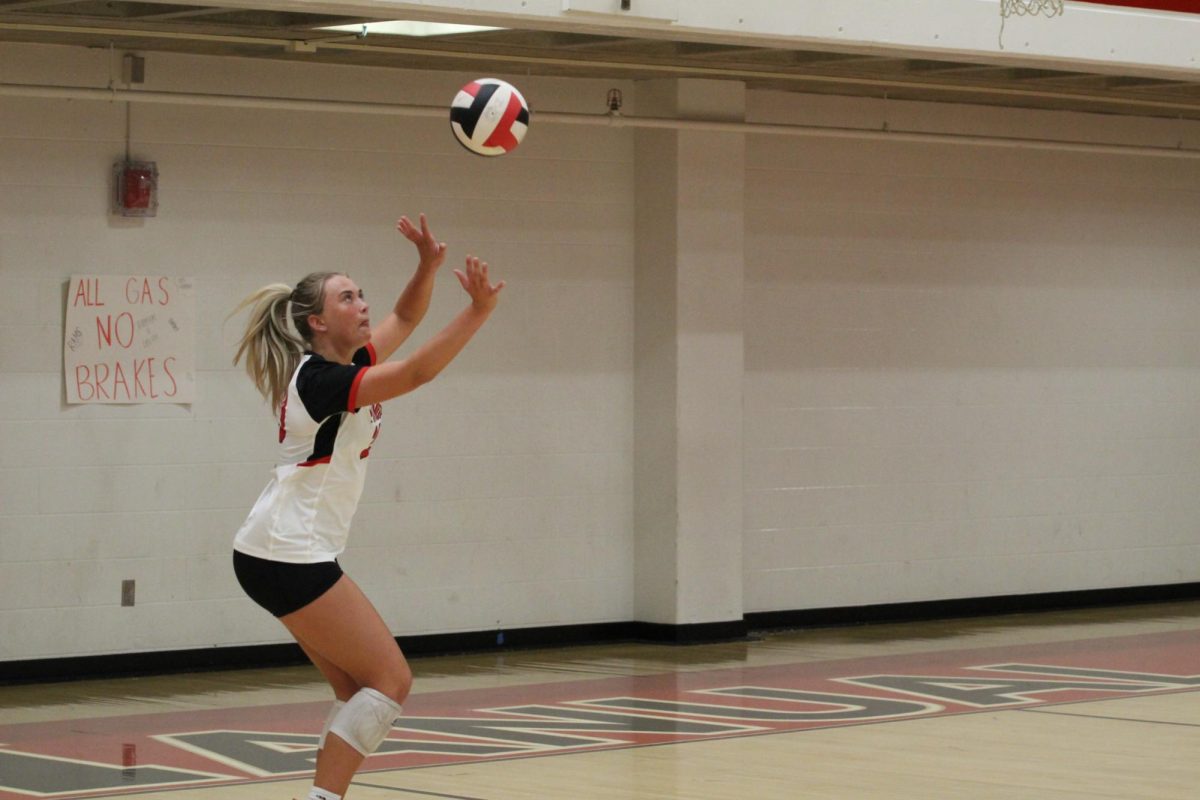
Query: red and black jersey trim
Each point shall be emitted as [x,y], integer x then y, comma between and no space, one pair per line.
[283,420]
[322,388]
[324,441]
[315,461]
[368,354]
[352,404]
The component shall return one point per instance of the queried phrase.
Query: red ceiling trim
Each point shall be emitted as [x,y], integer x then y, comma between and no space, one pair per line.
[1182,6]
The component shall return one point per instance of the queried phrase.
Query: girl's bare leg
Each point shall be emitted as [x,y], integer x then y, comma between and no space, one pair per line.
[352,647]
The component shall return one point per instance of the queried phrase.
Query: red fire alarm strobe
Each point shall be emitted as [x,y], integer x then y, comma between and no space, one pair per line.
[135,188]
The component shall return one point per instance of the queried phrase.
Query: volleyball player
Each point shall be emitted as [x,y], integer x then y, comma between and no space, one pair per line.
[326,375]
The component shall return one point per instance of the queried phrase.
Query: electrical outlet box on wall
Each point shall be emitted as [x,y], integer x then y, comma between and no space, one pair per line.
[664,10]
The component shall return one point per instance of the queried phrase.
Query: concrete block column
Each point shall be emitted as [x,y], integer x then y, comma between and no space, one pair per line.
[690,232]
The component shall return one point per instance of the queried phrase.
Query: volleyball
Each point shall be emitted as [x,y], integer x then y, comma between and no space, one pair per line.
[489,117]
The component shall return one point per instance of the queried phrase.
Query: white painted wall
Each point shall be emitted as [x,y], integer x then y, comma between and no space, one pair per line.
[969,370]
[499,496]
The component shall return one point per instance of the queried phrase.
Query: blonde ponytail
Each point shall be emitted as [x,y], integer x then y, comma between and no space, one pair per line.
[271,347]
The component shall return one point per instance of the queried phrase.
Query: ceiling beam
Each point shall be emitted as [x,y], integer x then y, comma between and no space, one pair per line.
[26,5]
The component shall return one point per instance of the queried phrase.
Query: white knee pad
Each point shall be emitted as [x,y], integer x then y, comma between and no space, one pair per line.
[337,706]
[365,720]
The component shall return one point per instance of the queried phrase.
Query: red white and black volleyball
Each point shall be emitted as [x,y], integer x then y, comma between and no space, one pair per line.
[489,117]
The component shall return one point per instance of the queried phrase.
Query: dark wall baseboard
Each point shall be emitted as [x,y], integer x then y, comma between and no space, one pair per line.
[695,633]
[279,655]
[971,607]
[289,654]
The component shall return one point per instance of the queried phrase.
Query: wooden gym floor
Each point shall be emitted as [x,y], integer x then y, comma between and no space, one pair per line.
[1090,704]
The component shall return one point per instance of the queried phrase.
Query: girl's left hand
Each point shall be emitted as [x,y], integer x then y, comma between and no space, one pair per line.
[431,252]
[484,295]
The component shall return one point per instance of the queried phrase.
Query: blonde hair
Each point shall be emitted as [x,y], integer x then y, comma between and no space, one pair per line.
[271,347]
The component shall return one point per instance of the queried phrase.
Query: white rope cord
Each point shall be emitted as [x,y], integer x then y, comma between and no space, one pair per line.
[1027,8]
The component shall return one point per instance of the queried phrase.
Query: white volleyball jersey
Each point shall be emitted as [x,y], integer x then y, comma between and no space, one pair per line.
[303,516]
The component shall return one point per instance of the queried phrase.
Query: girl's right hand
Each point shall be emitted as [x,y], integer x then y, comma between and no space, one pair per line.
[484,295]
[430,251]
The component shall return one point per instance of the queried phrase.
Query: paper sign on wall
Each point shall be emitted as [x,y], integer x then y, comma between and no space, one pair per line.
[130,339]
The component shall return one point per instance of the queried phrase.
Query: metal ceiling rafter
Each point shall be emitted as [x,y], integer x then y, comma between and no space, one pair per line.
[193,13]
[28,5]
[651,67]
[264,32]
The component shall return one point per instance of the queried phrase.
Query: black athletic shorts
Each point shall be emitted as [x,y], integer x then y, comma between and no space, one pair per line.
[282,588]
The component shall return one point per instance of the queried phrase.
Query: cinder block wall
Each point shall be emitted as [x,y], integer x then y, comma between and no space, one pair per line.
[969,371]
